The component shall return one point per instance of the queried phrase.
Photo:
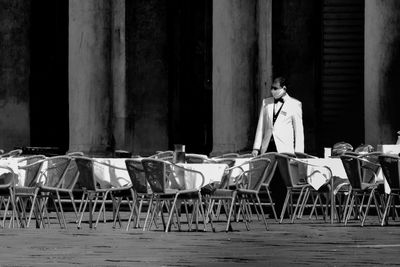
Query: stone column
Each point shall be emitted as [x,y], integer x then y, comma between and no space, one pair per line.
[240,70]
[264,15]
[118,67]
[382,76]
[14,73]
[90,76]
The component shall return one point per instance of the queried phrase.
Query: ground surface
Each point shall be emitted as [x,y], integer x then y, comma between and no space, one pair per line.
[306,242]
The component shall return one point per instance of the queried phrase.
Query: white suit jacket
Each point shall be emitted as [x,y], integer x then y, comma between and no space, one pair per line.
[288,128]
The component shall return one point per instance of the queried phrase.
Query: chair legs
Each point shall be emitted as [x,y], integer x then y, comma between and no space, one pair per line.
[356,206]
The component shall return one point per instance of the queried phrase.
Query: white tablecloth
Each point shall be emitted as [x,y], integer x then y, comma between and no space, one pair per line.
[108,176]
[13,164]
[317,175]
[389,149]
[212,173]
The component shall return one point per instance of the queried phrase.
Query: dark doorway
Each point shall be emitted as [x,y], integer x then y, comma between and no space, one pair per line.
[341,116]
[49,74]
[190,74]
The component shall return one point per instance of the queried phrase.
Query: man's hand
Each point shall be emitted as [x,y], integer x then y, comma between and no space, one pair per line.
[255,152]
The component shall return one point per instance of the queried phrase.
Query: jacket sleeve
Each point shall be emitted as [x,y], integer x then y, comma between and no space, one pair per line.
[298,129]
[260,127]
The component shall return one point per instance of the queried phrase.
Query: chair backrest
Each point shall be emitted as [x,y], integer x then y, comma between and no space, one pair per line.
[55,171]
[75,153]
[71,176]
[12,153]
[156,172]
[137,175]
[372,163]
[352,166]
[228,155]
[391,170]
[165,155]
[246,155]
[86,177]
[284,165]
[302,155]
[257,173]
[271,167]
[32,166]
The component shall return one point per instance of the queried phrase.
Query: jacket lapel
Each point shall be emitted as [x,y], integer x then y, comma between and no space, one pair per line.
[285,109]
[270,111]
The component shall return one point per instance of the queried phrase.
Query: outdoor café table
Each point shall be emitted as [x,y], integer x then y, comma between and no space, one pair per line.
[320,171]
[108,176]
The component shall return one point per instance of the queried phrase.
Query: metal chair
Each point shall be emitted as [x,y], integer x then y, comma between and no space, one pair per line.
[26,192]
[391,171]
[359,189]
[139,189]
[87,180]
[7,195]
[247,188]
[294,185]
[170,182]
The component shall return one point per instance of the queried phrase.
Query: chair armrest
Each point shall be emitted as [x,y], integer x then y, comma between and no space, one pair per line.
[190,170]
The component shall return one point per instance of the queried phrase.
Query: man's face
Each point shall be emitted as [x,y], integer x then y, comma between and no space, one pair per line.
[276,86]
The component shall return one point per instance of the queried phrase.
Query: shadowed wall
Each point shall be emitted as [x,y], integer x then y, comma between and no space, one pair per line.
[382,71]
[14,73]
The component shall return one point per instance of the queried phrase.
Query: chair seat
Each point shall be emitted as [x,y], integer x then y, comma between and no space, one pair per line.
[246,191]
[365,186]
[25,190]
[300,186]
[222,193]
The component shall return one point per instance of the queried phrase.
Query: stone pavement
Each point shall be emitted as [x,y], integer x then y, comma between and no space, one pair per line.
[304,243]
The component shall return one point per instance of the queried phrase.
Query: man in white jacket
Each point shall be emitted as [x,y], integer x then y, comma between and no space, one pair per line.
[280,125]
[279,129]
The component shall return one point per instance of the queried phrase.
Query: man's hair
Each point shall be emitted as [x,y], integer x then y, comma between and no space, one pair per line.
[282,81]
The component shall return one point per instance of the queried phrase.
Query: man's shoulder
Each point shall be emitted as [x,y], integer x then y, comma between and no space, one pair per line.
[294,100]
[268,100]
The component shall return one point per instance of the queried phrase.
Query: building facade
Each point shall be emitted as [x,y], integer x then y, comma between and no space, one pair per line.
[142,75]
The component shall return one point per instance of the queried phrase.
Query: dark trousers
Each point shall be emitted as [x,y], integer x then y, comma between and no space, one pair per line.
[277,186]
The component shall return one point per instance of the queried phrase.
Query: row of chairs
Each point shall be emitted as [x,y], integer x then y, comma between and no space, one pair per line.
[64,176]
[355,196]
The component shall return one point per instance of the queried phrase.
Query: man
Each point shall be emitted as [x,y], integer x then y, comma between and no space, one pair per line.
[280,125]
[279,129]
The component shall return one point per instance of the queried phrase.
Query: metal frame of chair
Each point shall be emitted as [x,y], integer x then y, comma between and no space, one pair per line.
[228,155]
[293,185]
[12,153]
[138,191]
[270,174]
[247,188]
[168,183]
[50,183]
[359,189]
[28,191]
[91,190]
[391,171]
[7,190]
